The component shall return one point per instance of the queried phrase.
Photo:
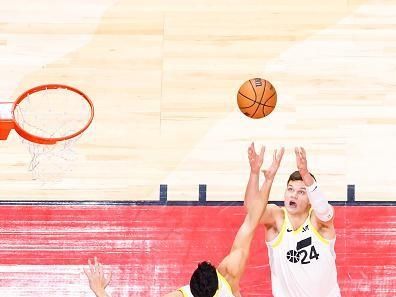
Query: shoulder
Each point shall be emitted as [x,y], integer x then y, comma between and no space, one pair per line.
[272,216]
[273,220]
[277,211]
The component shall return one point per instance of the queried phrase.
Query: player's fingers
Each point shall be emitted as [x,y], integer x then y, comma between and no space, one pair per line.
[108,280]
[87,272]
[280,155]
[96,263]
[296,151]
[91,267]
[301,153]
[304,154]
[262,152]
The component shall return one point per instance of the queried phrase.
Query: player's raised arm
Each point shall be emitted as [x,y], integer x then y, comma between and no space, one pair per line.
[252,189]
[255,161]
[234,264]
[322,210]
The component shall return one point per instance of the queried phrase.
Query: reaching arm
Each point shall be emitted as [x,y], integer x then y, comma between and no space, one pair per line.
[234,264]
[97,280]
[255,161]
[323,211]
[252,189]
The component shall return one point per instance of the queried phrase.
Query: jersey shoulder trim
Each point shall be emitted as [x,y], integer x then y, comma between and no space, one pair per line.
[224,281]
[278,239]
[183,291]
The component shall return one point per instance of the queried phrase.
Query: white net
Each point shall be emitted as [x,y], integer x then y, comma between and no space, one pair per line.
[52,113]
[51,162]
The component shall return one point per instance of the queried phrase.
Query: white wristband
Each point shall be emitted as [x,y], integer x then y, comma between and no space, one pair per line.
[323,210]
[312,187]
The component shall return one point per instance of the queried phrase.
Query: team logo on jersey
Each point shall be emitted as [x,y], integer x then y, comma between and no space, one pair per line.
[301,252]
[293,256]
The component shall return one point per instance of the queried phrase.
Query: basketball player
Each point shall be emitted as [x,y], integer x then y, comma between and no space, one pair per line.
[300,236]
[207,281]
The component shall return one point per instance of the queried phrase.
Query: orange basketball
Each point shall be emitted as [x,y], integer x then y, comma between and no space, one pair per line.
[256,98]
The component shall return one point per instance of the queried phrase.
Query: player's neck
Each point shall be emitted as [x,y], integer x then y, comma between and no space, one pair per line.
[297,219]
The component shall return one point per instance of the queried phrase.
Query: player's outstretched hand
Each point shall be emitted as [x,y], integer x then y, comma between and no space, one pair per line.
[97,280]
[255,160]
[276,160]
[301,160]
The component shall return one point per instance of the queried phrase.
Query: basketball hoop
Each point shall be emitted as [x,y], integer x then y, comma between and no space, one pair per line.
[50,118]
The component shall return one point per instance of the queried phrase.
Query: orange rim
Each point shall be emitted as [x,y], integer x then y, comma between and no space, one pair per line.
[44,140]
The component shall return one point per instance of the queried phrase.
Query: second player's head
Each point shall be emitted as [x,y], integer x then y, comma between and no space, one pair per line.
[296,197]
[204,281]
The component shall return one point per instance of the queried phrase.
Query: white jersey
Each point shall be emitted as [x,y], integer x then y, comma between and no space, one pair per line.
[302,262]
[224,289]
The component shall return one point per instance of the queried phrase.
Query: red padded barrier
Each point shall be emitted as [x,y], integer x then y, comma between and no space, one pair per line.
[154,249]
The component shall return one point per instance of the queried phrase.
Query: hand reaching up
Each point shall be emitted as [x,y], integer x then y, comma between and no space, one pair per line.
[277,158]
[97,280]
[255,160]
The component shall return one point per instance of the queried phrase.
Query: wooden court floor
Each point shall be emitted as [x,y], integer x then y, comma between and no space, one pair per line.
[163,76]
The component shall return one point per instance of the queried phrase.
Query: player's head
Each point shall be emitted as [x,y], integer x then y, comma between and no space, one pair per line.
[204,281]
[296,197]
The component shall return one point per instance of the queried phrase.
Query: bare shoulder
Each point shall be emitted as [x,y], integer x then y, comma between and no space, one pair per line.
[273,213]
[274,221]
[174,294]
[276,210]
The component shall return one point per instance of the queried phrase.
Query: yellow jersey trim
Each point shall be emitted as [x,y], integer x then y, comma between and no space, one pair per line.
[286,222]
[283,230]
[295,232]
[316,232]
[299,229]
[223,280]
[183,292]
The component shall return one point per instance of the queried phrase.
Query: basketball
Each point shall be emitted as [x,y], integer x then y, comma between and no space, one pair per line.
[256,98]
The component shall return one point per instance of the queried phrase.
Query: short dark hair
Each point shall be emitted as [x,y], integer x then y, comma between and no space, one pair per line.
[297,176]
[204,281]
